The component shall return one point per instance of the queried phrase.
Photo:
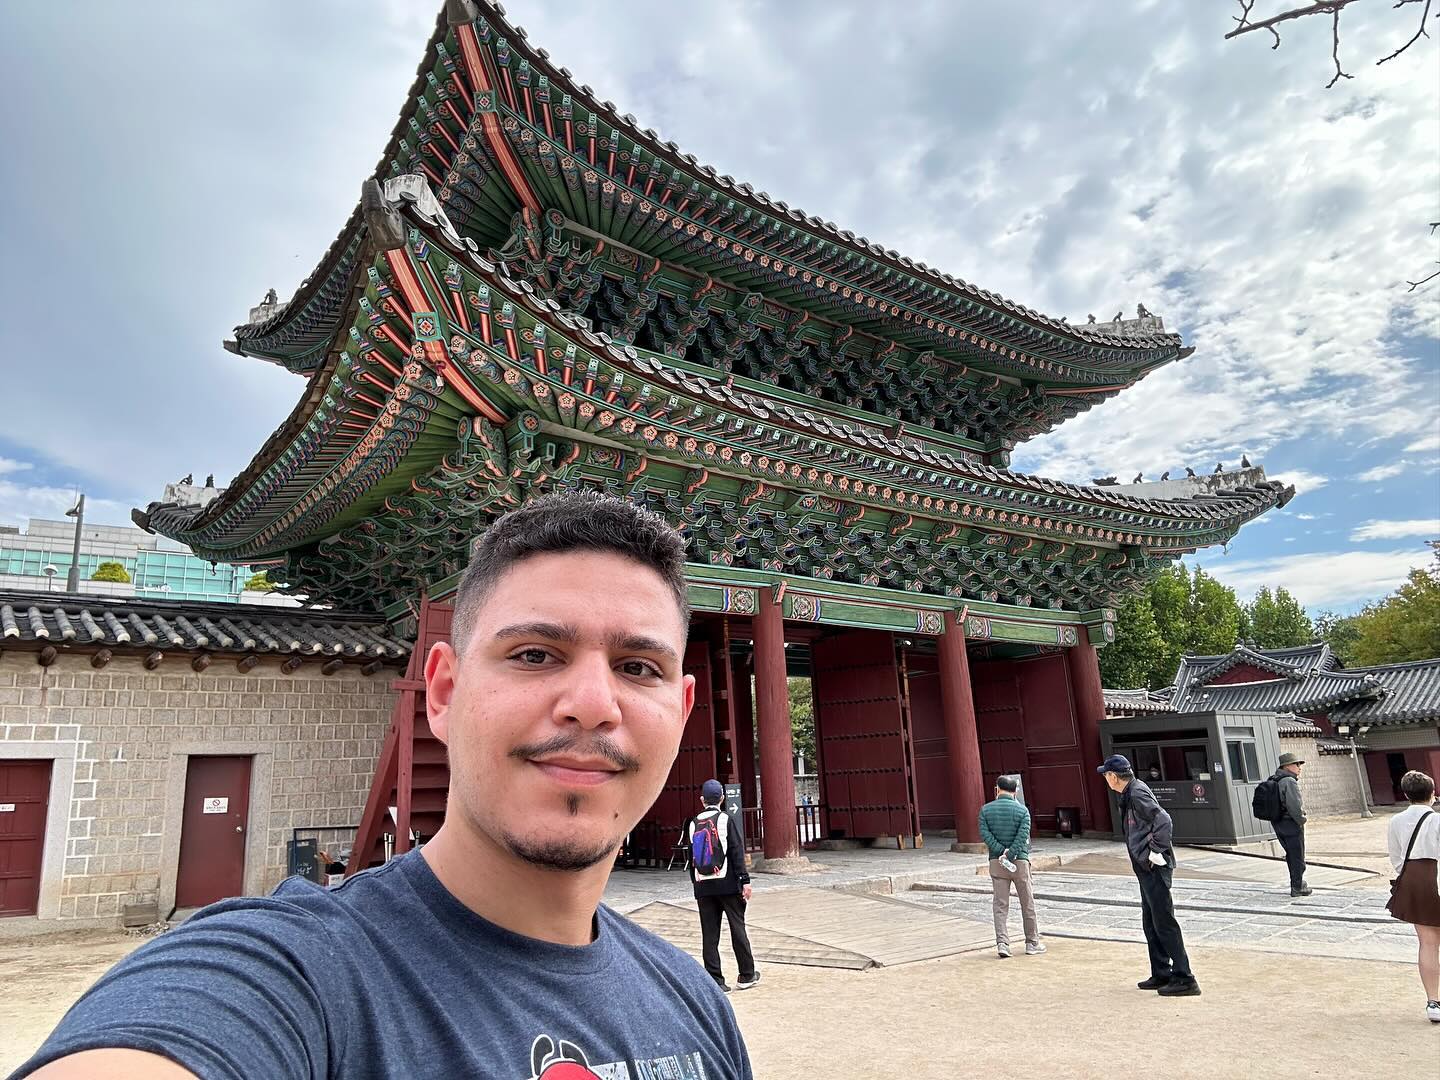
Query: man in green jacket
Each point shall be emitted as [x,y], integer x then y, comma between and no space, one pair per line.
[1005,828]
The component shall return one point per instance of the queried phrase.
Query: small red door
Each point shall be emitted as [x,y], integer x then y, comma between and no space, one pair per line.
[212,830]
[24,800]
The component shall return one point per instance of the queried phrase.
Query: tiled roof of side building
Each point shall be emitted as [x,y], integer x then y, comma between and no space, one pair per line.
[1317,691]
[1133,702]
[39,619]
[1412,695]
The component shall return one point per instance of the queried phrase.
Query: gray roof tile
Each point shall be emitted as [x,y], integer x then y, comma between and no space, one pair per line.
[37,619]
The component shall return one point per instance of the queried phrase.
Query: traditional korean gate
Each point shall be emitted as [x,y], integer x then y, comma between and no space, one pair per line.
[927,737]
[868,784]
[679,799]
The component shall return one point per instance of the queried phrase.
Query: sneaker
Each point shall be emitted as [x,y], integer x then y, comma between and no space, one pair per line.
[1034,948]
[1003,951]
[1154,982]
[1432,1010]
[746,984]
[1303,890]
[1181,987]
[725,987]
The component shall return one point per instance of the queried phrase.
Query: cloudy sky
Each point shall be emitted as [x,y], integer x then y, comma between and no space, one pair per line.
[166,163]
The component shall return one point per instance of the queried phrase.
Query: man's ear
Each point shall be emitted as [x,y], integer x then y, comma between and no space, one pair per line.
[441,672]
[688,690]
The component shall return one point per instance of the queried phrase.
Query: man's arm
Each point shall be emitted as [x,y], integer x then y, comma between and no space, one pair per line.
[1022,831]
[987,834]
[113,1065]
[1293,801]
[1148,809]
[231,994]
[737,849]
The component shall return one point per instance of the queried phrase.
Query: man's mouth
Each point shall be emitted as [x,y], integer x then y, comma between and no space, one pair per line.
[576,771]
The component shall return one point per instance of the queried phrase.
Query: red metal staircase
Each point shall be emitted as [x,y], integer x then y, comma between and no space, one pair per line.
[412,777]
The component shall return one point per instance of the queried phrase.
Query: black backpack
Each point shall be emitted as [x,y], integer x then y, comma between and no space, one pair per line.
[1266,804]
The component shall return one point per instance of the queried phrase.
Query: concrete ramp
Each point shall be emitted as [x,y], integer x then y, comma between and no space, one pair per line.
[827,928]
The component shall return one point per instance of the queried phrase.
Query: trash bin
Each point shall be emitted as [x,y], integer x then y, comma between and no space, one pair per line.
[302,858]
[1067,820]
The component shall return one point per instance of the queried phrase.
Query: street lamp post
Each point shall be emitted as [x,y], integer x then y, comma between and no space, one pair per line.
[72,581]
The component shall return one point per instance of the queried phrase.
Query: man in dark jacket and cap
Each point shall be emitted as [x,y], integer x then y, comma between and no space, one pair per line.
[722,885]
[1148,832]
[1290,827]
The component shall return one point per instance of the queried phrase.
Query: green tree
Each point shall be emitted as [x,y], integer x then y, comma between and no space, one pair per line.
[1340,632]
[110,570]
[1277,621]
[259,583]
[802,719]
[1406,624]
[1214,616]
[1139,655]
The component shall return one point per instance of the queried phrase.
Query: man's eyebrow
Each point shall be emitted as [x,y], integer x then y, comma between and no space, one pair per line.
[563,632]
[569,634]
[640,643]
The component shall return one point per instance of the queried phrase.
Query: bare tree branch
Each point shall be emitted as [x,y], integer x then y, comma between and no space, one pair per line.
[1335,53]
[1416,284]
[1321,7]
[1421,32]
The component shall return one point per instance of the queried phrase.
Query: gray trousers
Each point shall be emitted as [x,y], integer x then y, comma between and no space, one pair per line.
[1001,880]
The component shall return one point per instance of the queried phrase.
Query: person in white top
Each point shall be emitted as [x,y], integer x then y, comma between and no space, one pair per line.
[1414,842]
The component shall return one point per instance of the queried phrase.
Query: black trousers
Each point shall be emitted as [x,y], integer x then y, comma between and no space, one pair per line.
[733,908]
[1162,932]
[1292,839]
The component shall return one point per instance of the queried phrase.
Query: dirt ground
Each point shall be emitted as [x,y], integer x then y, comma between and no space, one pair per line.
[1073,1012]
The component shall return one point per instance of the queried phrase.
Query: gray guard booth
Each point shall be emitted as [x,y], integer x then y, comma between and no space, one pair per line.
[1203,768]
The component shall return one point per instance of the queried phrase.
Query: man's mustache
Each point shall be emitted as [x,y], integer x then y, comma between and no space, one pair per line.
[597,745]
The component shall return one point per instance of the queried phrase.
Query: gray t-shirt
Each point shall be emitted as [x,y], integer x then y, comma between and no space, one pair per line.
[391,976]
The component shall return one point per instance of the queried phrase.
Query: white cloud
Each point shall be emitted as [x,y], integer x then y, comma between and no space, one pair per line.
[1382,472]
[1306,517]
[21,502]
[1304,481]
[1320,579]
[1425,444]
[1425,528]
[9,465]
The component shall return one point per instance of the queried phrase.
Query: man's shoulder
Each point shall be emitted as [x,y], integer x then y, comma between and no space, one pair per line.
[673,967]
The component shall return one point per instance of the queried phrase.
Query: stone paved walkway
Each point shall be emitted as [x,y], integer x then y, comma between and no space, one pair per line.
[1343,922]
[1232,909]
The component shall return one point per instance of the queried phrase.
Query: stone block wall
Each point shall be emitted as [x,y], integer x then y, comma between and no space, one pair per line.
[1328,783]
[120,738]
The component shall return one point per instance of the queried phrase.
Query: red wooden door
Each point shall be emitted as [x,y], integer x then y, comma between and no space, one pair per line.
[24,799]
[214,823]
[860,727]
[932,749]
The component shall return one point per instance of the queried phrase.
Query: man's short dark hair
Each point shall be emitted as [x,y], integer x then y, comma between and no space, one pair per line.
[569,521]
[1006,783]
[1417,786]
[1124,774]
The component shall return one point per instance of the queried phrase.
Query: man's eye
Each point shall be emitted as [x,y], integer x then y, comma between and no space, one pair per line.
[531,656]
[639,668]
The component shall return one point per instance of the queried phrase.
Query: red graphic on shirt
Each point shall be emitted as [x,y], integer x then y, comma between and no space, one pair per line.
[562,1061]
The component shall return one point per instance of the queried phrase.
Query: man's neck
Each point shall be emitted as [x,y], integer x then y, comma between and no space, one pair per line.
[548,905]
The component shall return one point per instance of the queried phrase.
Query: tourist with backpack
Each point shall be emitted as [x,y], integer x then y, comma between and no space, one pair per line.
[1278,801]
[722,886]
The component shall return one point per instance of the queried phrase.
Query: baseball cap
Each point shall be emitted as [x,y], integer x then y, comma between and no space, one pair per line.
[1115,763]
[711,791]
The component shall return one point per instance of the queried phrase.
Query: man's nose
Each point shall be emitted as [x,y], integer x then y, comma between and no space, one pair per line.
[588,693]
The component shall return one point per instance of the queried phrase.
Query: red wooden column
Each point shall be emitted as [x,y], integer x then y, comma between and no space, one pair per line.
[1084,664]
[772,708]
[962,738]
